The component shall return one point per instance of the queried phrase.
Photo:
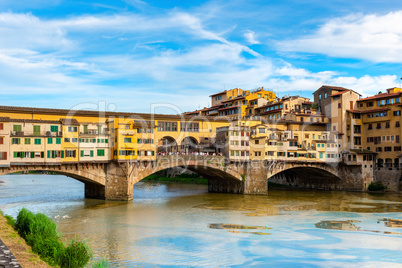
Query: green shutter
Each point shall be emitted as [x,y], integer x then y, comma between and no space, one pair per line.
[36,130]
[15,154]
[27,141]
[94,140]
[62,154]
[98,140]
[17,128]
[54,128]
[92,153]
[49,140]
[106,141]
[42,154]
[82,153]
[32,154]
[48,154]
[58,140]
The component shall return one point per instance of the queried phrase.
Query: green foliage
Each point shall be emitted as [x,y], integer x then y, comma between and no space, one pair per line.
[315,106]
[40,232]
[377,186]
[51,250]
[24,222]
[100,264]
[10,220]
[76,255]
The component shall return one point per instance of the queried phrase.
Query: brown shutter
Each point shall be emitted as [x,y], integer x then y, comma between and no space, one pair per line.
[1,140]
[351,105]
[1,126]
[4,155]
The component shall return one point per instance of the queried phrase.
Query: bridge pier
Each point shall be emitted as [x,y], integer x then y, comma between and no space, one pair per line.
[255,180]
[119,181]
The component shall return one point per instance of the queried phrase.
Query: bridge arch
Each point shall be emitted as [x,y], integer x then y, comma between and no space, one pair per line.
[220,178]
[92,175]
[311,176]
[189,144]
[167,144]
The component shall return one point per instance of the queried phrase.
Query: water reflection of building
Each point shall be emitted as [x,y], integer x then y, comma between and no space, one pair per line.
[394,223]
[337,225]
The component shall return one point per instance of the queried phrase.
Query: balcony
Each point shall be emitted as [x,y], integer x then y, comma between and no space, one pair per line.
[35,134]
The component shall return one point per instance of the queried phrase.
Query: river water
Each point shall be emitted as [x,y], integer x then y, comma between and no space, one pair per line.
[184,225]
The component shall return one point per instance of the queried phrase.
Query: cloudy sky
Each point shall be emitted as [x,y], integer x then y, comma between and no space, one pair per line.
[135,55]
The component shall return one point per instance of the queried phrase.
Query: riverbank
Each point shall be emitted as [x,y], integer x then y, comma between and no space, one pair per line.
[18,247]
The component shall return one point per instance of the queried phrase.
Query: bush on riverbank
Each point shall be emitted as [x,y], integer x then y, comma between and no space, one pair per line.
[40,232]
[377,186]
[182,178]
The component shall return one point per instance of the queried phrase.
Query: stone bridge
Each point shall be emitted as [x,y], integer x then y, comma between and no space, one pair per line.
[115,180]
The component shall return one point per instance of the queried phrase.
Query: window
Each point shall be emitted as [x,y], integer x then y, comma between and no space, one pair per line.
[378,149]
[74,140]
[397,148]
[3,155]
[54,128]
[378,125]
[386,124]
[319,97]
[58,140]
[49,140]
[261,130]
[127,140]
[71,153]
[370,126]
[189,127]
[167,126]
[37,141]
[126,152]
[100,152]
[66,139]
[357,128]
[17,128]
[387,149]
[339,105]
[27,140]
[325,95]
[397,113]
[357,141]
[15,141]
[1,126]
[1,140]
[72,129]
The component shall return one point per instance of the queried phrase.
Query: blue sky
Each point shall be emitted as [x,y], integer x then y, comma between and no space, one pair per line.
[136,55]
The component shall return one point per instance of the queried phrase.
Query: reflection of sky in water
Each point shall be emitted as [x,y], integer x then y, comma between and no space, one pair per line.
[167,225]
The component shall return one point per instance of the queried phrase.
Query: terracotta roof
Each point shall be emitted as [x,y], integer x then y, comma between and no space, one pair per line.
[69,121]
[34,110]
[379,96]
[337,89]
[363,151]
[4,119]
[270,104]
[308,102]
[332,87]
[218,93]
[227,108]
[368,111]
[35,121]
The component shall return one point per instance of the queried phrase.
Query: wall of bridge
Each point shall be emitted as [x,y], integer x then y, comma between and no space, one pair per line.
[115,180]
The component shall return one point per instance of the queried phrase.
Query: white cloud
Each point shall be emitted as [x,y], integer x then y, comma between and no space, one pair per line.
[376,38]
[250,37]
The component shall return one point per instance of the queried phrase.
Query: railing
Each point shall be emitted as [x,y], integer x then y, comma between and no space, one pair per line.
[36,134]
